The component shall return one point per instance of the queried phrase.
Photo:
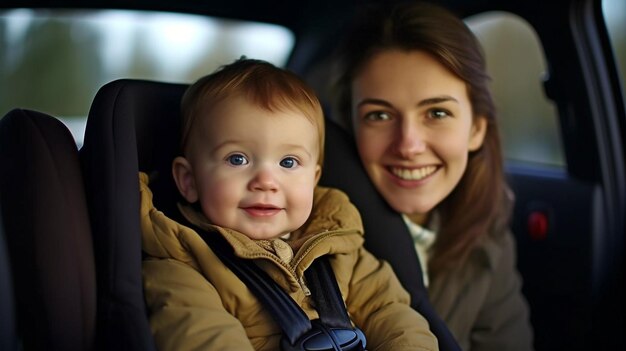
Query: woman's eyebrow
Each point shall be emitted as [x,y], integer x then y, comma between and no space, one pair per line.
[429,101]
[373,102]
[437,100]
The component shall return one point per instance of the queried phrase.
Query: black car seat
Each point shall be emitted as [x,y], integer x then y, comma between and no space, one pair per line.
[8,333]
[133,126]
[47,233]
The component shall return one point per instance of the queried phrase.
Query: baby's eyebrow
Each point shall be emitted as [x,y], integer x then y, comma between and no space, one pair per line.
[226,143]
[300,147]
[216,149]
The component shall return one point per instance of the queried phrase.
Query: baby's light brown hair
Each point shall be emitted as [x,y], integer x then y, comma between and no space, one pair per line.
[269,87]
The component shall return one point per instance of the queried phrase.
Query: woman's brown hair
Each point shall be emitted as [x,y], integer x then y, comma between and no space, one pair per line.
[468,213]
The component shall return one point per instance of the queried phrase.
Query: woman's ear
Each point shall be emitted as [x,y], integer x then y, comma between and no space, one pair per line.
[477,133]
[183,176]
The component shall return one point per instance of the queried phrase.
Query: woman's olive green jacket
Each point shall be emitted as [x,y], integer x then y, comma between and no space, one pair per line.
[481,299]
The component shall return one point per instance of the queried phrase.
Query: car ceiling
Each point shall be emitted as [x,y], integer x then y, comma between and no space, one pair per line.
[315,24]
[299,16]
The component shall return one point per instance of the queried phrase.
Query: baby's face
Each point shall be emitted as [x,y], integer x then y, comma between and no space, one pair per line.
[255,170]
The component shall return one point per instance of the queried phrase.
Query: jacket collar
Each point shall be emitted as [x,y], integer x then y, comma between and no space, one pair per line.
[333,216]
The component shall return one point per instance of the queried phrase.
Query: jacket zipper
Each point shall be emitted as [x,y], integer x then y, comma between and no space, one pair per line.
[304,287]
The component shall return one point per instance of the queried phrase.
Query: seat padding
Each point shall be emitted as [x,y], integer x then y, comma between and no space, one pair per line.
[47,231]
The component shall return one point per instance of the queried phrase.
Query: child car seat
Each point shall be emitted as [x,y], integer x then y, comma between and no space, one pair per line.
[46,225]
[133,126]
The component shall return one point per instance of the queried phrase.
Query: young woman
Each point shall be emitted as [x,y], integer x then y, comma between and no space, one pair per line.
[413,89]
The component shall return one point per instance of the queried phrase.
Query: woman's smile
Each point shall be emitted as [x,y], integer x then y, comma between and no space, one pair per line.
[418,173]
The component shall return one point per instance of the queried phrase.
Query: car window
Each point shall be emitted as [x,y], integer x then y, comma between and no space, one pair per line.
[517,65]
[54,61]
[615,17]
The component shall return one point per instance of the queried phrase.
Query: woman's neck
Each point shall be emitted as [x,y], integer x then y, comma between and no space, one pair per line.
[418,218]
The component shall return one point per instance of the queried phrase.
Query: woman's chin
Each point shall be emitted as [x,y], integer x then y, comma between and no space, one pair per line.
[407,204]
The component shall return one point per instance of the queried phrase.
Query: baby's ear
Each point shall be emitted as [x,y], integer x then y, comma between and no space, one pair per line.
[318,173]
[183,176]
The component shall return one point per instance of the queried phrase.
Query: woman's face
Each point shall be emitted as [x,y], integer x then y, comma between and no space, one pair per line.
[414,128]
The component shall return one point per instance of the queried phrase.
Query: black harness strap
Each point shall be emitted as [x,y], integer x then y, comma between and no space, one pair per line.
[301,333]
[326,294]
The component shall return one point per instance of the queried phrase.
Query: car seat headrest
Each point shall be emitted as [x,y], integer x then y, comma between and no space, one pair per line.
[142,117]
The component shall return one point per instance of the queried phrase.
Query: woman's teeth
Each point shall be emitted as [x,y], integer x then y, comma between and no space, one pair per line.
[413,174]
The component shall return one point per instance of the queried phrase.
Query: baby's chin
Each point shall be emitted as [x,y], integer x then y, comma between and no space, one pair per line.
[262,236]
[266,235]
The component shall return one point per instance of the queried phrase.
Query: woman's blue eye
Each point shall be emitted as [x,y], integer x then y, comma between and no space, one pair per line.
[288,162]
[237,160]
[439,114]
[377,116]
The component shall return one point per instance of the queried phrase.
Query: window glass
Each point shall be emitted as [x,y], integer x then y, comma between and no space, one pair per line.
[54,61]
[615,18]
[516,64]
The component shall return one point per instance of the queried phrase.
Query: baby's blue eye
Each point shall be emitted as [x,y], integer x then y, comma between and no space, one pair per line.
[237,160]
[288,162]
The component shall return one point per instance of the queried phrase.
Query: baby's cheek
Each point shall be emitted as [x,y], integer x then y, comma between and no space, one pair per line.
[217,199]
[302,203]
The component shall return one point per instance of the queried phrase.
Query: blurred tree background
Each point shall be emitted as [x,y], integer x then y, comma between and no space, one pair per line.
[55,61]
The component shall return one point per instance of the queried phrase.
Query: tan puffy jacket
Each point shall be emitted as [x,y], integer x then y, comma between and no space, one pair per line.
[197,303]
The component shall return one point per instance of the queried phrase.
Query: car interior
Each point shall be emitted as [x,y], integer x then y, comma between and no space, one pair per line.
[71,278]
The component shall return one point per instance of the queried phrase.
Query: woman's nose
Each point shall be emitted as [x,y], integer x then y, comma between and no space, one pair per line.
[263,180]
[410,140]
